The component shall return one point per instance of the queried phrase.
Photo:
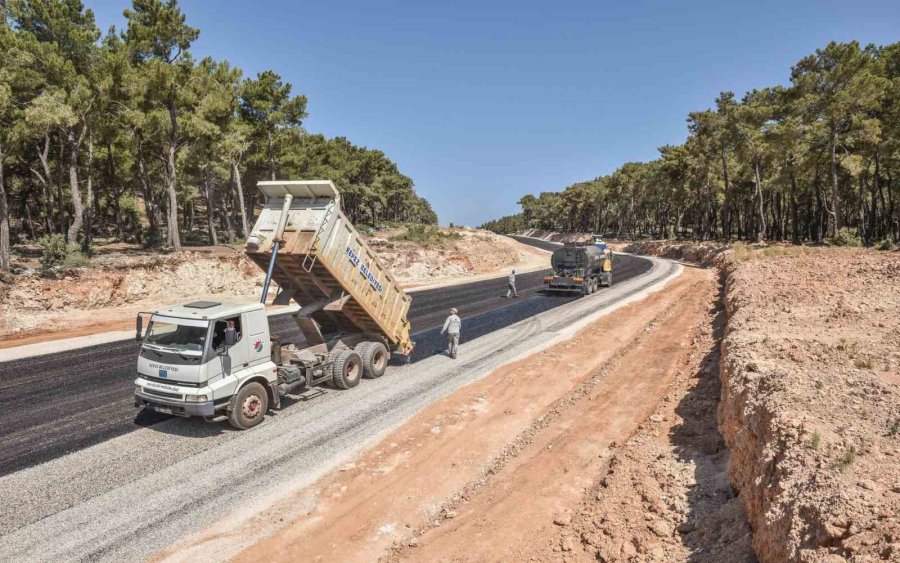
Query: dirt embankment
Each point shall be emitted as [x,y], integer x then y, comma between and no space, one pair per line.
[811,402]
[124,280]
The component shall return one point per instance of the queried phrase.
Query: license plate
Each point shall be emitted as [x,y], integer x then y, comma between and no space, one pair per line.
[164,410]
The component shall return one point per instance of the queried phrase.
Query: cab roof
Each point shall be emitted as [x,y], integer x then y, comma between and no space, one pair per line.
[208,310]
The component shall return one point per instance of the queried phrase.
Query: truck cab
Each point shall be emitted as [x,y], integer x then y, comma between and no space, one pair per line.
[195,357]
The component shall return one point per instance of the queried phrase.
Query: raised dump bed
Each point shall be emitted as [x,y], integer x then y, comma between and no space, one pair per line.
[322,263]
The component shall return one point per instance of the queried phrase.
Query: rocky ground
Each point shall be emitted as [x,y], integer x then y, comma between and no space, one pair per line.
[811,401]
[123,279]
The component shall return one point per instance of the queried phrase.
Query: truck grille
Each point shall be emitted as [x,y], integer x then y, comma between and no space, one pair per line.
[149,391]
[171,382]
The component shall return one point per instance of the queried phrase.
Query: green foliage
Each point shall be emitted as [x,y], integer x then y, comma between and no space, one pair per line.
[885,244]
[507,225]
[815,441]
[173,147]
[424,235]
[799,162]
[893,427]
[56,253]
[846,237]
[845,460]
[75,258]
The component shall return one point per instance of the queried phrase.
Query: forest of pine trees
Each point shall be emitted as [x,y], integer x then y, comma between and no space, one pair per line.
[804,162]
[124,135]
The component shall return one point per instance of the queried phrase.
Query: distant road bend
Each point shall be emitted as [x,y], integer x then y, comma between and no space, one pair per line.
[60,403]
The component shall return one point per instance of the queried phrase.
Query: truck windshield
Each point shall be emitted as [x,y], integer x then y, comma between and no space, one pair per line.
[173,337]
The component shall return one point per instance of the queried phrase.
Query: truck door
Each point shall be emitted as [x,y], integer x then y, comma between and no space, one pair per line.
[239,354]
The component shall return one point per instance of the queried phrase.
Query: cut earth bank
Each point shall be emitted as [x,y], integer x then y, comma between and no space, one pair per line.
[810,406]
[106,296]
[605,447]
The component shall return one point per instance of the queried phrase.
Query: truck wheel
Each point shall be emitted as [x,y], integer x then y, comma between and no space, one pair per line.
[347,369]
[248,407]
[585,289]
[375,358]
[594,285]
[609,280]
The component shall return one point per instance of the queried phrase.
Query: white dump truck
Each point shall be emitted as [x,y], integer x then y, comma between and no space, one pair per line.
[212,359]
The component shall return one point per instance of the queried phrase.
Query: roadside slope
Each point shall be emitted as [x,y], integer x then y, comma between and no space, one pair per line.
[811,402]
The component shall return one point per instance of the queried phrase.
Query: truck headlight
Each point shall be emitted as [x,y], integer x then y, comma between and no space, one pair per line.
[195,398]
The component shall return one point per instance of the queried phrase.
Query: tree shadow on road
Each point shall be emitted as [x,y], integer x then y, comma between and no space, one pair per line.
[716,528]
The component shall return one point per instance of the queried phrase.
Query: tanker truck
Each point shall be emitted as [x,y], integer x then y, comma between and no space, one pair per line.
[219,360]
[579,268]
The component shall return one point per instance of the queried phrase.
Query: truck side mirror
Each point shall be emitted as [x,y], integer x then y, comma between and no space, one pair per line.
[230,337]
[139,328]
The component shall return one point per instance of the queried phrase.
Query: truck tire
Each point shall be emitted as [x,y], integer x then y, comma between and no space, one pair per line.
[248,408]
[375,358]
[347,369]
[609,280]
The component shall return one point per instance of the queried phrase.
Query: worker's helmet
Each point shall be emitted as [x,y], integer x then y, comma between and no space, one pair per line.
[453,310]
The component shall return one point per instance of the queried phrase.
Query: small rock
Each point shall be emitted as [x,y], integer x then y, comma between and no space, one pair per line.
[563,520]
[657,553]
[568,544]
[348,467]
[413,542]
[661,528]
[867,484]
[657,418]
[450,514]
[687,527]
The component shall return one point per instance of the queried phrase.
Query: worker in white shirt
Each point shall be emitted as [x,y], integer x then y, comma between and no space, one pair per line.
[451,328]
[511,291]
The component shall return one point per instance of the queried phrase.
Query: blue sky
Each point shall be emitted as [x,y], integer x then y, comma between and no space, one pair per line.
[483,102]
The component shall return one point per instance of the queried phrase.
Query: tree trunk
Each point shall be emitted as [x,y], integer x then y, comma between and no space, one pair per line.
[149,207]
[761,233]
[4,215]
[117,192]
[726,204]
[60,206]
[240,197]
[836,203]
[45,179]
[77,205]
[174,239]
[89,192]
[795,214]
[210,210]
[271,156]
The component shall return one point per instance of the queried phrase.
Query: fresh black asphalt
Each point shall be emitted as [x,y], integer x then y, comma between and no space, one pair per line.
[59,403]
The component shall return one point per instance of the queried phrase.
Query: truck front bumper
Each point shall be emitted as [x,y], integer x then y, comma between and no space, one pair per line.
[172,406]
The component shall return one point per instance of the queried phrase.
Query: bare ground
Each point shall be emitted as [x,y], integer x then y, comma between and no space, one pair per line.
[125,279]
[485,473]
[811,402]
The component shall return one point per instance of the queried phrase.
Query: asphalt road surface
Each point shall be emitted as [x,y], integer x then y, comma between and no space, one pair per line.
[56,404]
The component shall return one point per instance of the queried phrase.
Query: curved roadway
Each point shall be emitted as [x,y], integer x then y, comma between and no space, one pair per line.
[59,403]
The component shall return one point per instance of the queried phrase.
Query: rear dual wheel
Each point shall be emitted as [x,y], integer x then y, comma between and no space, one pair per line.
[375,358]
[346,369]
